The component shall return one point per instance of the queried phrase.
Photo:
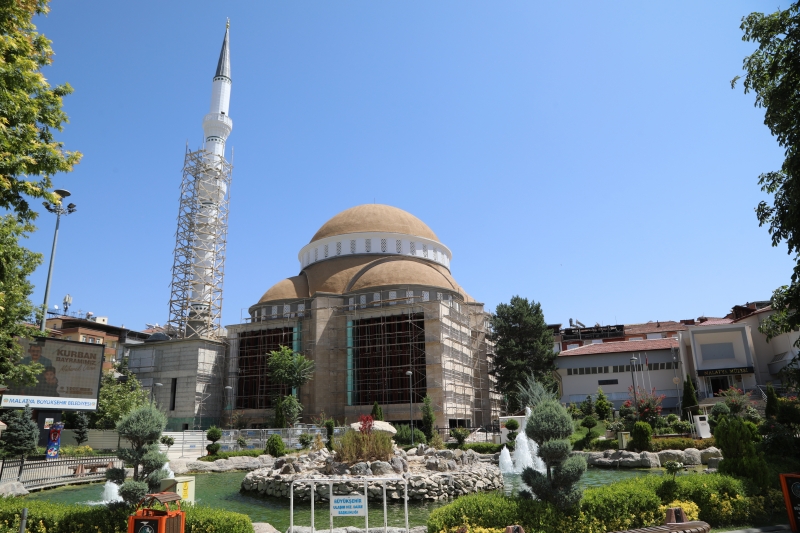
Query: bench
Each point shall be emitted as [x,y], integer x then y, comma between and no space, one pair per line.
[92,468]
[683,527]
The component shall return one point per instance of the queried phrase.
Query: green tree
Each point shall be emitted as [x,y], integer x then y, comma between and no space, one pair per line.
[16,264]
[117,398]
[289,368]
[377,412]
[550,426]
[22,434]
[142,427]
[428,417]
[512,426]
[771,410]
[602,406]
[772,72]
[81,428]
[523,346]
[587,406]
[689,401]
[30,111]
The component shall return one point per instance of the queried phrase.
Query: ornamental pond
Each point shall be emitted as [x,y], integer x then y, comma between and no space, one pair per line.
[221,490]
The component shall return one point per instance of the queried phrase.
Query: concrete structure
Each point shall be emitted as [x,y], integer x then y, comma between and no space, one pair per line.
[373,300]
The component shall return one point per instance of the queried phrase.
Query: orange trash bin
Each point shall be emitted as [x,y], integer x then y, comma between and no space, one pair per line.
[146,520]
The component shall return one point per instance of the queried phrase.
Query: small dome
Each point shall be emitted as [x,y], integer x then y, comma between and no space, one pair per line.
[156,337]
[292,288]
[374,217]
[401,272]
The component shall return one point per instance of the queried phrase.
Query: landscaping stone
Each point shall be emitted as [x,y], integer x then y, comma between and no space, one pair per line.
[649,460]
[709,453]
[691,456]
[381,468]
[713,462]
[263,527]
[12,489]
[412,451]
[360,469]
[399,465]
[671,455]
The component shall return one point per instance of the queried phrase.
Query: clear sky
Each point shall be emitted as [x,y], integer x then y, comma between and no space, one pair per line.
[591,156]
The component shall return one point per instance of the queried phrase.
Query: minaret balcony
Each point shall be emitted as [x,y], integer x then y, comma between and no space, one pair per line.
[218,118]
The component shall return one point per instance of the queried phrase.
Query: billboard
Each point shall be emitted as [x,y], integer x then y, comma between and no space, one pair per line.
[70,380]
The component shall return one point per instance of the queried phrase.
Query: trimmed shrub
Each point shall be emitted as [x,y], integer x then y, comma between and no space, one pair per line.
[690,509]
[771,410]
[305,439]
[600,445]
[603,407]
[167,441]
[403,435]
[435,442]
[512,426]
[227,455]
[213,448]
[69,518]
[428,416]
[681,426]
[641,436]
[680,443]
[214,434]
[737,439]
[133,491]
[377,412]
[329,427]
[275,446]
[460,434]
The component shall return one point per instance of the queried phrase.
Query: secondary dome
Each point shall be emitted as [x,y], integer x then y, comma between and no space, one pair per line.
[374,218]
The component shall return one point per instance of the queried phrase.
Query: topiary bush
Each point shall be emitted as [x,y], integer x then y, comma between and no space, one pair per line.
[550,426]
[132,491]
[403,435]
[213,434]
[512,426]
[305,440]
[737,439]
[275,446]
[641,436]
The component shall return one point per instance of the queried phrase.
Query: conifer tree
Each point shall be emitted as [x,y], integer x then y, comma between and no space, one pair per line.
[142,427]
[377,412]
[428,417]
[550,426]
[22,434]
[81,428]
[602,406]
[689,403]
[771,410]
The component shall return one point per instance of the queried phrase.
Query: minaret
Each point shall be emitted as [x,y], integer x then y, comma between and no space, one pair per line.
[198,267]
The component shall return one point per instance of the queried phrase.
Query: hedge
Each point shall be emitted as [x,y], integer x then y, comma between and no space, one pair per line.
[226,455]
[680,443]
[627,504]
[61,518]
[477,447]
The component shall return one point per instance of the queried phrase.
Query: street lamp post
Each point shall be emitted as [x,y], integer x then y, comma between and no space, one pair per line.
[58,210]
[675,380]
[409,373]
[633,381]
[229,392]
[153,388]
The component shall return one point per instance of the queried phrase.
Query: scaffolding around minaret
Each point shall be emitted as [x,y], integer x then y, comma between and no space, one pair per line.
[195,305]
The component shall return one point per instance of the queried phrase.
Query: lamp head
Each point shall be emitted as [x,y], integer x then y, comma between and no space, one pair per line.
[409,373]
[62,193]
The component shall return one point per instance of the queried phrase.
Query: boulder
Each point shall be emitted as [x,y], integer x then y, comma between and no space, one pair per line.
[297,467]
[432,464]
[223,465]
[279,463]
[412,452]
[201,466]
[360,469]
[649,460]
[691,456]
[398,466]
[709,453]
[713,462]
[12,488]
[266,459]
[627,459]
[451,465]
[263,527]
[381,468]
[671,455]
[178,466]
[287,469]
[447,454]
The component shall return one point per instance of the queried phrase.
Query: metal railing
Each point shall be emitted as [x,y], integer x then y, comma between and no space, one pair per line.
[330,496]
[256,439]
[37,473]
[476,434]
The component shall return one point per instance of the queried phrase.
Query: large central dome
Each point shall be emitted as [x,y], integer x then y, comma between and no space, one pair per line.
[374,218]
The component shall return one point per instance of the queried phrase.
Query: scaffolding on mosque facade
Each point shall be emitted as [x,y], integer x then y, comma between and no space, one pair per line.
[363,345]
[195,305]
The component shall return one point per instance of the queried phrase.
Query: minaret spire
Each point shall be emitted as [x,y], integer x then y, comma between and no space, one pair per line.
[224,63]
[217,124]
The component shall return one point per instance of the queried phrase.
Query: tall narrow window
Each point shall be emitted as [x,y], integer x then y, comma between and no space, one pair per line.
[376,299]
[352,246]
[413,248]
[286,309]
[383,245]
[274,311]
[424,250]
[398,246]
[410,296]
[368,245]
[392,297]
[352,302]
[338,248]
[301,310]
[326,250]
[362,300]
[426,296]
[173,392]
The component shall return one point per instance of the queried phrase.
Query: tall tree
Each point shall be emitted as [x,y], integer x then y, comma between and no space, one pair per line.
[289,368]
[689,402]
[30,111]
[523,346]
[772,72]
[16,264]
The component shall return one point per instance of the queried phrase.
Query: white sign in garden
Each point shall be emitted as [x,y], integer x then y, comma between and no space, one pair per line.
[354,505]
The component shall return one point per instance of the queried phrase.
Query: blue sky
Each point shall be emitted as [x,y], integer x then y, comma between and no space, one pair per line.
[590,156]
